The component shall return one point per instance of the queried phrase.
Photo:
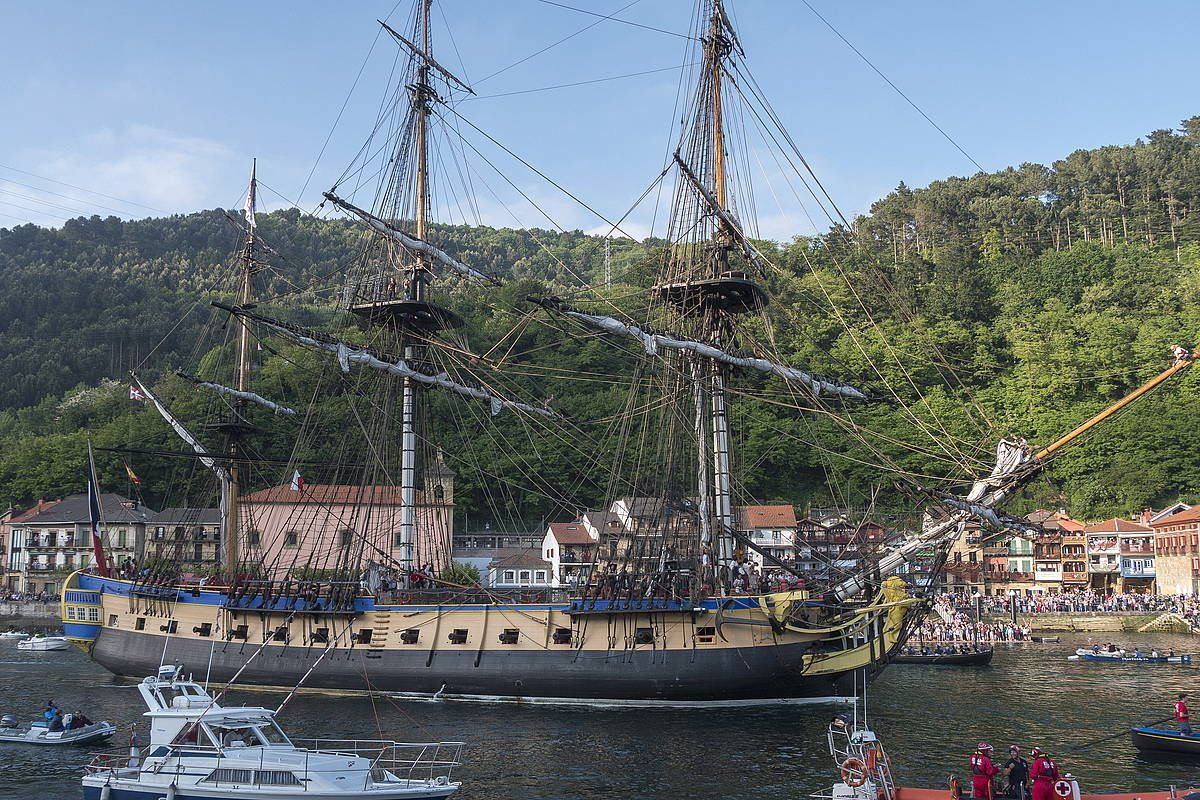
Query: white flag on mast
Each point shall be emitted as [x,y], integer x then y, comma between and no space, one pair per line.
[251,194]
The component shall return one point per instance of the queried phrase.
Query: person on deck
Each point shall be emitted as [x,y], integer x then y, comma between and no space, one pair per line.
[982,772]
[1182,716]
[1044,773]
[51,710]
[1017,769]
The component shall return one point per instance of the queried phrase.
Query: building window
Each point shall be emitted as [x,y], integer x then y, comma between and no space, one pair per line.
[397,539]
[290,539]
[525,576]
[540,576]
[253,537]
[93,614]
[122,538]
[112,620]
[510,576]
[347,537]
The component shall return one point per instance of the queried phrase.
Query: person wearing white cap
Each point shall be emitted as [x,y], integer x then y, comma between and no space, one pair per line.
[982,772]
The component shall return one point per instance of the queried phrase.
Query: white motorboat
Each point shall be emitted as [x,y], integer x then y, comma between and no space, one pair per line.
[40,642]
[201,749]
[39,733]
[14,635]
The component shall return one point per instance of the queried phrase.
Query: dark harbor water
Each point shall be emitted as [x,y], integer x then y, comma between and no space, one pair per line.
[929,719]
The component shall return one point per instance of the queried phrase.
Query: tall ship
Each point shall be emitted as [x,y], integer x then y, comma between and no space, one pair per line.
[336,569]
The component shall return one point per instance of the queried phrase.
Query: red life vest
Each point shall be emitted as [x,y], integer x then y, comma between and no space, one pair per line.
[1044,769]
[1181,711]
[981,765]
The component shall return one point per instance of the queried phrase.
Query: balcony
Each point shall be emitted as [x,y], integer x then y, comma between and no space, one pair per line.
[1074,577]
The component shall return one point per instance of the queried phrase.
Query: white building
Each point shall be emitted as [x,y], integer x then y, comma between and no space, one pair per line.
[570,548]
[45,547]
[773,529]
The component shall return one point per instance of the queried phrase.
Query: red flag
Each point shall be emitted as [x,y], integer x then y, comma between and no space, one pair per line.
[136,394]
[297,481]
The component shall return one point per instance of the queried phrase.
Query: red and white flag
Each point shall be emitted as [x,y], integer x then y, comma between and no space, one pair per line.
[136,394]
[297,481]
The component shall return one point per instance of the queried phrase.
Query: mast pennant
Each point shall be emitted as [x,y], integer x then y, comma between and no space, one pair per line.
[410,242]
[349,354]
[252,196]
[651,342]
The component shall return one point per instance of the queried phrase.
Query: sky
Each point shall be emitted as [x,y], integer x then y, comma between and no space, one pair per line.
[153,108]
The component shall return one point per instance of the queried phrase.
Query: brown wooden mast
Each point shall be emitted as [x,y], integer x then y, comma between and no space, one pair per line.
[236,427]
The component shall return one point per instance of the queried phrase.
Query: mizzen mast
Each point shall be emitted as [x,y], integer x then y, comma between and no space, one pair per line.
[234,426]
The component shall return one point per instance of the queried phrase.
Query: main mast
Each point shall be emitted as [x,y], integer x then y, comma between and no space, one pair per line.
[421,94]
[236,427]
[716,48]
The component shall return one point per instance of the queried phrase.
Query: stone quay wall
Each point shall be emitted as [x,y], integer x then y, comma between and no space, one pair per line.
[1088,622]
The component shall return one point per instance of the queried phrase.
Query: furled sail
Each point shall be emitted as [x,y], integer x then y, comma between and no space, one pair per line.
[410,242]
[184,433]
[651,342]
[349,354]
[239,395]
[1014,467]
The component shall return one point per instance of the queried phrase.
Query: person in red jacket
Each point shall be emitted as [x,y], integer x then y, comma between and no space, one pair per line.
[1182,716]
[1044,774]
[982,772]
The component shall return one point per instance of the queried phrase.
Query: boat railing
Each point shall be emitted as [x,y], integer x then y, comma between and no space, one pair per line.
[861,758]
[408,761]
[111,762]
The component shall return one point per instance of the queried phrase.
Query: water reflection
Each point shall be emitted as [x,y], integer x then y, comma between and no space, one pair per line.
[929,719]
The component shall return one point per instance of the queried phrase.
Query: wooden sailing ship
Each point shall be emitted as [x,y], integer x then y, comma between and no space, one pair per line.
[659,621]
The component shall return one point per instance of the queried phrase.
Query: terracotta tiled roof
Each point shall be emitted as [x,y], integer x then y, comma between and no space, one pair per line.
[29,513]
[570,533]
[1189,515]
[1118,525]
[331,494]
[773,516]
[1071,525]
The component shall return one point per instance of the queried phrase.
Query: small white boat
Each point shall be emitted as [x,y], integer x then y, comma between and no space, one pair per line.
[14,635]
[200,749]
[41,642]
[40,733]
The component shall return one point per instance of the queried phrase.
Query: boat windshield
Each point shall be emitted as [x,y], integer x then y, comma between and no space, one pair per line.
[256,733]
[271,734]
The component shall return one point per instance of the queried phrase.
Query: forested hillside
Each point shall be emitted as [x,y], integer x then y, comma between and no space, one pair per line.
[1018,302]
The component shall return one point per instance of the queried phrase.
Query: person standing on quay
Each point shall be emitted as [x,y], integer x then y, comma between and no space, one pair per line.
[1182,716]
[1044,773]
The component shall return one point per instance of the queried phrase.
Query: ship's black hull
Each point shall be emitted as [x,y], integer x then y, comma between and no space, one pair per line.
[642,676]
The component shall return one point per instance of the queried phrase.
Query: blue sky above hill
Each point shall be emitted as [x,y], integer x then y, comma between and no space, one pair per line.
[162,105]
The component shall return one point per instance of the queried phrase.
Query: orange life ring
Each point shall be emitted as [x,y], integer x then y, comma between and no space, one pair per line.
[954,790]
[854,772]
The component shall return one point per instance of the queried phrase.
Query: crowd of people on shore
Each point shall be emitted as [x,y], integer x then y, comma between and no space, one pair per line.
[1079,602]
[949,624]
